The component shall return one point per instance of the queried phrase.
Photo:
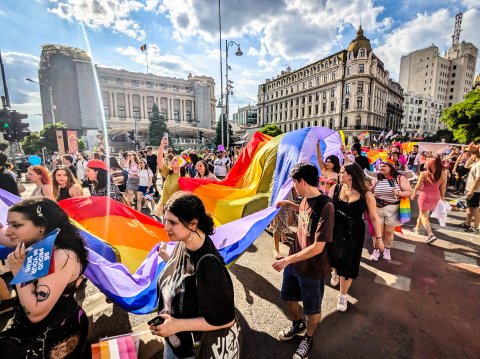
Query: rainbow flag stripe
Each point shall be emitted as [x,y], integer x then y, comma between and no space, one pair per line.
[120,348]
[405,211]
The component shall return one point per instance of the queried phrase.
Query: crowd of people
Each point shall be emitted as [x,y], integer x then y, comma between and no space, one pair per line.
[329,209]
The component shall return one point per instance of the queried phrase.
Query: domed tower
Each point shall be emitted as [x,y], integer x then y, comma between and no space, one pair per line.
[476,82]
[359,42]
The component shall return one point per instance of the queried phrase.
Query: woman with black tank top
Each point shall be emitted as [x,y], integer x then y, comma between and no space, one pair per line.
[65,185]
[352,197]
[47,323]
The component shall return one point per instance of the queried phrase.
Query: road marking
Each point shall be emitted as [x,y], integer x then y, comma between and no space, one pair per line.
[460,258]
[404,246]
[393,281]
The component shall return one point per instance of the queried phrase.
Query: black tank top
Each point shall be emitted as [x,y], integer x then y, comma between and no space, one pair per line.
[64,193]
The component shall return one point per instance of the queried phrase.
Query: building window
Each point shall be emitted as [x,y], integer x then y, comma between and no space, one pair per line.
[332,92]
[361,53]
[349,70]
[347,103]
[303,111]
[324,107]
[359,102]
[332,106]
[360,87]
[107,111]
[334,75]
[358,122]
[297,101]
[136,113]
[345,122]
[176,115]
[325,78]
[324,94]
[188,116]
[347,89]
[121,112]
[317,96]
[350,56]
[303,100]
[316,109]
[361,68]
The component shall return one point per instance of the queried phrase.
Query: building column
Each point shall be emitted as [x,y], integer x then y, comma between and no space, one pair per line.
[193,110]
[130,106]
[111,104]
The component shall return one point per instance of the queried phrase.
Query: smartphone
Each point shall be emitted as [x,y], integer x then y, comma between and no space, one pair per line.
[165,136]
[156,321]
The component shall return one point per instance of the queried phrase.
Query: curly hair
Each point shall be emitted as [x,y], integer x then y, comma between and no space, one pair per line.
[187,207]
[53,216]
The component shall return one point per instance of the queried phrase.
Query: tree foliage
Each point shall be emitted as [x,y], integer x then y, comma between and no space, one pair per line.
[158,126]
[218,134]
[33,143]
[271,130]
[464,118]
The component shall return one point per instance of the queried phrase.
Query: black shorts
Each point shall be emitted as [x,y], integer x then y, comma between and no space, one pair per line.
[474,201]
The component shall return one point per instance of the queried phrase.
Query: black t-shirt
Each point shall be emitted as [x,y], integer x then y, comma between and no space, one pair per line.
[189,290]
[73,170]
[362,161]
[152,162]
[411,158]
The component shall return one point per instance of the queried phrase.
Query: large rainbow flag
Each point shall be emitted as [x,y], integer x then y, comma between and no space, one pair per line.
[243,205]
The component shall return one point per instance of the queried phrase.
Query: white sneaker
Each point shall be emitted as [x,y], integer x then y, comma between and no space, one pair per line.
[375,255]
[342,303]
[335,279]
[386,254]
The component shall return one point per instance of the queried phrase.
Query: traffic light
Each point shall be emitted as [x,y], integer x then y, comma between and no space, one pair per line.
[5,120]
[20,129]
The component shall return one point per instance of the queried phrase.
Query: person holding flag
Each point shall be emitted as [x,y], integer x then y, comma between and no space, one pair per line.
[47,319]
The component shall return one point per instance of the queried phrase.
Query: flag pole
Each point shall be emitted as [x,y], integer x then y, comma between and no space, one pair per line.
[146,56]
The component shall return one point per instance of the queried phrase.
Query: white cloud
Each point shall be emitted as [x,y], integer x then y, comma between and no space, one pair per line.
[424,30]
[114,14]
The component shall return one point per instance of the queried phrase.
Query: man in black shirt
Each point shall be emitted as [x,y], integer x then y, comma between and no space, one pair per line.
[152,164]
[68,162]
[361,160]
[6,180]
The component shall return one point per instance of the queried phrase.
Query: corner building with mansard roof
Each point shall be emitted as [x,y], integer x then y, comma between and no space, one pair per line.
[350,90]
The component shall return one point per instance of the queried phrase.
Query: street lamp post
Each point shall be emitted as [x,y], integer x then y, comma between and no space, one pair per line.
[50,93]
[228,83]
[221,68]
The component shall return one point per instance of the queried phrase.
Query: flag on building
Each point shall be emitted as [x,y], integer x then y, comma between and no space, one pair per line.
[364,135]
[143,47]
[381,135]
[390,133]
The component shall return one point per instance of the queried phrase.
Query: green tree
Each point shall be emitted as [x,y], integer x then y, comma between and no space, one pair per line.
[464,118]
[271,130]
[157,128]
[82,146]
[33,143]
[218,134]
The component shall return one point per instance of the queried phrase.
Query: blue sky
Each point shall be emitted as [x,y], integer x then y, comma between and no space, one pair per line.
[182,36]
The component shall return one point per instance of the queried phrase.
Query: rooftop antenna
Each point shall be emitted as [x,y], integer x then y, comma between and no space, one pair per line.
[458,29]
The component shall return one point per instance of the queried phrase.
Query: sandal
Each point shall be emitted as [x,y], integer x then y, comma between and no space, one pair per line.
[416,231]
[430,239]
[277,255]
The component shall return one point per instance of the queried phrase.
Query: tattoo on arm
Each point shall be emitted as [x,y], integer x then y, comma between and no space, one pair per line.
[43,292]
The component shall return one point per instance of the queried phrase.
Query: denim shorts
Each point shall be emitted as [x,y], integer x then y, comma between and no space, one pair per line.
[297,288]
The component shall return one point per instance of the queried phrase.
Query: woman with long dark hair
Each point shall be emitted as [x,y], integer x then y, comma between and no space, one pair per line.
[432,184]
[99,174]
[196,297]
[48,321]
[203,172]
[329,171]
[65,185]
[388,188]
[351,196]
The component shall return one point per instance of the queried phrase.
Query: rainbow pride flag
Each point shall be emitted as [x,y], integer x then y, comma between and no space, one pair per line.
[243,205]
[405,211]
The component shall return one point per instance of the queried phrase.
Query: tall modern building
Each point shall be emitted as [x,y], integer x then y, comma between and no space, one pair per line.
[67,86]
[448,79]
[421,115]
[246,116]
[349,90]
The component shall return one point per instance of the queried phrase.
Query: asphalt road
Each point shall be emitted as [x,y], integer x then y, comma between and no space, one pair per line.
[422,304]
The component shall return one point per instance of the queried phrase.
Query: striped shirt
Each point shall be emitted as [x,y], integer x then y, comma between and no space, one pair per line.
[383,190]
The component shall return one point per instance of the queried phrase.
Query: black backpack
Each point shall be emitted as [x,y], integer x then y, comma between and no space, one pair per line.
[342,232]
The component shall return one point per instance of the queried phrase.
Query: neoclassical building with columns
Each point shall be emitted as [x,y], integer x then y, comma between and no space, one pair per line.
[350,90]
[68,88]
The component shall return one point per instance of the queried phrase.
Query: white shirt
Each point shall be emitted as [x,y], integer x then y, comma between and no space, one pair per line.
[220,168]
[472,177]
[144,176]
[81,169]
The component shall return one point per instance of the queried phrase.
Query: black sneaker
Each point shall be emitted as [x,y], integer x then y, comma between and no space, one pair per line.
[464,225]
[472,230]
[304,348]
[299,328]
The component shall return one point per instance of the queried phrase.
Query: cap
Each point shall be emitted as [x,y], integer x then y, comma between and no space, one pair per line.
[97,164]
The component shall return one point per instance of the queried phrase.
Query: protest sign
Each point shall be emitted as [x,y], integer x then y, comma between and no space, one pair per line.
[38,262]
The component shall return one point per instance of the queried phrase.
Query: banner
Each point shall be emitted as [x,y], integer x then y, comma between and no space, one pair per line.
[60,142]
[38,262]
[72,141]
